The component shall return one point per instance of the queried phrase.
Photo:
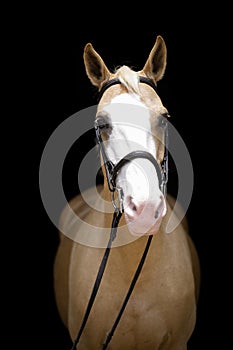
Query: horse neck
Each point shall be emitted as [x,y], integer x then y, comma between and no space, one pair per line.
[106,193]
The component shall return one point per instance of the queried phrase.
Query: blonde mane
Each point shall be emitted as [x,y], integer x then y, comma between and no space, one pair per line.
[129,79]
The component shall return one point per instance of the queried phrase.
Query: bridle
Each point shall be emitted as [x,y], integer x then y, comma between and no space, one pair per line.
[112,171]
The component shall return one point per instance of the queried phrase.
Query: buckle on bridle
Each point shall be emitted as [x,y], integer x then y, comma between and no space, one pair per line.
[120,196]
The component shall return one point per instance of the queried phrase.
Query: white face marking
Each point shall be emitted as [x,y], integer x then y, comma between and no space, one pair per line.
[132,129]
[144,204]
[128,99]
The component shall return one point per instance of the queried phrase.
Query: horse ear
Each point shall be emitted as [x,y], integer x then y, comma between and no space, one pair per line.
[155,65]
[96,69]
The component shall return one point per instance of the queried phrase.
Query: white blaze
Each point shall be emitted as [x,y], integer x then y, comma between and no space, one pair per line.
[143,201]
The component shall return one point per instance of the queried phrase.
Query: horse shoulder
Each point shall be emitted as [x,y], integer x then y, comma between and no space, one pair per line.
[195,263]
[68,220]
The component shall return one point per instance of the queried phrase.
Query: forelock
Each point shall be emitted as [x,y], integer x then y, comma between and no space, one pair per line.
[129,79]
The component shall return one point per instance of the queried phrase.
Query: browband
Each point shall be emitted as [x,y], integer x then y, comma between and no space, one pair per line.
[115,81]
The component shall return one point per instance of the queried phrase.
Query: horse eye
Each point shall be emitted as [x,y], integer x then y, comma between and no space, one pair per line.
[103,122]
[162,120]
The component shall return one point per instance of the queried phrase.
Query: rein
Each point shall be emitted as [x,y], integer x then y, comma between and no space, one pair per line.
[111,174]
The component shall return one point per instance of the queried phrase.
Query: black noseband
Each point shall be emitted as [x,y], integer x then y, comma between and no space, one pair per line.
[134,155]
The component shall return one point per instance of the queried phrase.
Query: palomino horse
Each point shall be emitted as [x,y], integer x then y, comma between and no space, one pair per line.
[161,310]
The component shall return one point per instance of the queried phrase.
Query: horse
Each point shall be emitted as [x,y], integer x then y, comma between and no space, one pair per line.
[161,310]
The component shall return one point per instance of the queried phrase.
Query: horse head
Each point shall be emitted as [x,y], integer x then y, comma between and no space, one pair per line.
[130,117]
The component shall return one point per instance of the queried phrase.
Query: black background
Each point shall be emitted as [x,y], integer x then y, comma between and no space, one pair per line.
[186,90]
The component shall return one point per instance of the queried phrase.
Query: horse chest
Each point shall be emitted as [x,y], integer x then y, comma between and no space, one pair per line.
[161,301]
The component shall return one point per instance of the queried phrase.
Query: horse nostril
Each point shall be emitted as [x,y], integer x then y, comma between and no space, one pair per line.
[132,205]
[160,208]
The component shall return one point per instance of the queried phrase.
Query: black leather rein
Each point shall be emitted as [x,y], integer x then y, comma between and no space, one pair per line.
[111,174]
